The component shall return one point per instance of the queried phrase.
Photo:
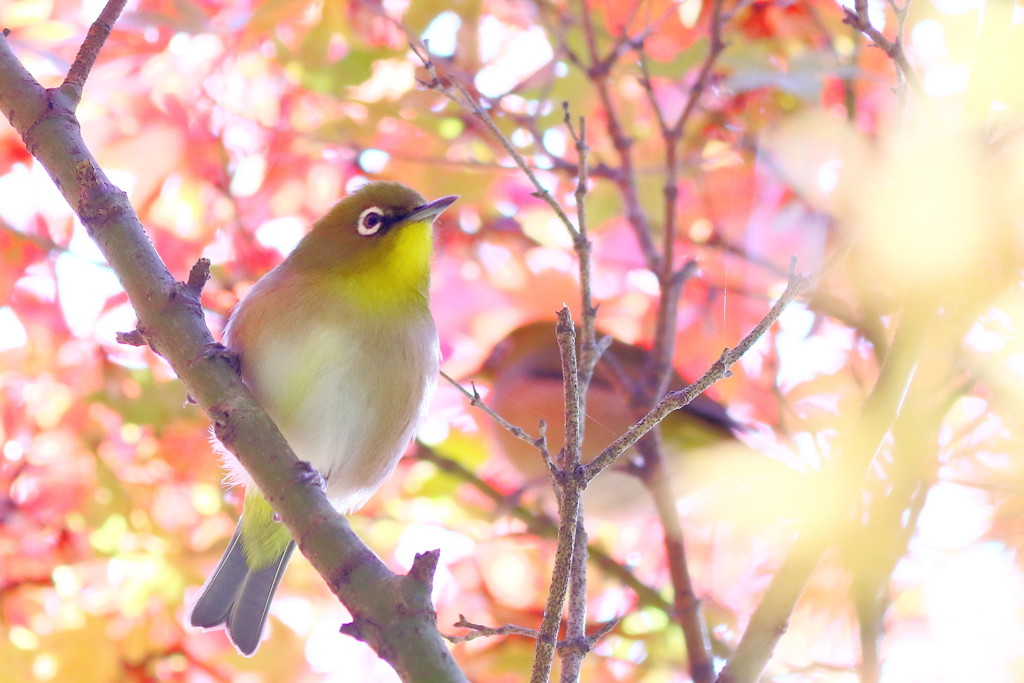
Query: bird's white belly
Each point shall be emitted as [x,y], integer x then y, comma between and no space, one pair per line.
[347,401]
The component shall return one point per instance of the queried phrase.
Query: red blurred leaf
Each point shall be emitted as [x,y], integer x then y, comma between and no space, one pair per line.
[17,252]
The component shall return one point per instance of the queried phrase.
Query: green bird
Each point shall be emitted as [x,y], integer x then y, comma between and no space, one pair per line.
[338,345]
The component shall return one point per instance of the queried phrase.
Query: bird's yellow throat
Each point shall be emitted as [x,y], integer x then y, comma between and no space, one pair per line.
[394,280]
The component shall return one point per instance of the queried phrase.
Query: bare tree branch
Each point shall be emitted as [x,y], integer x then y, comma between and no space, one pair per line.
[569,484]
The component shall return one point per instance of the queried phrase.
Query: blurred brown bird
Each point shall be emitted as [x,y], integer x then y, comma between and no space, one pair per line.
[525,373]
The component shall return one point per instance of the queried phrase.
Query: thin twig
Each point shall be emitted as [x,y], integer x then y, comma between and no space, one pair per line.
[675,400]
[98,33]
[476,401]
[480,631]
[715,49]
[582,246]
[859,19]
[458,94]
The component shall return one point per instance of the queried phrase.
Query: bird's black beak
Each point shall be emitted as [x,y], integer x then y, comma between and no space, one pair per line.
[430,211]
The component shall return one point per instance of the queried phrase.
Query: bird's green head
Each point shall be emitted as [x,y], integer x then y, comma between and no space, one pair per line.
[375,245]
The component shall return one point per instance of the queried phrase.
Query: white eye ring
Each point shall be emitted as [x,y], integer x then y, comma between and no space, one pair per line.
[370,221]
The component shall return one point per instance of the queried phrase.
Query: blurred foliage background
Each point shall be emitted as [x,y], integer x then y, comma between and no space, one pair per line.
[233,125]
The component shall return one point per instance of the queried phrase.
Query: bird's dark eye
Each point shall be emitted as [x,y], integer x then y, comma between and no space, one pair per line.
[370,221]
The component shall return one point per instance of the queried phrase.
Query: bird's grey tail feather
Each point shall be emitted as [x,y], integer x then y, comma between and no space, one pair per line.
[219,592]
[248,616]
[237,597]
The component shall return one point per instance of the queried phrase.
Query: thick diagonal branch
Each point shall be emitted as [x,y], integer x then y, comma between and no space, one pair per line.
[392,613]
